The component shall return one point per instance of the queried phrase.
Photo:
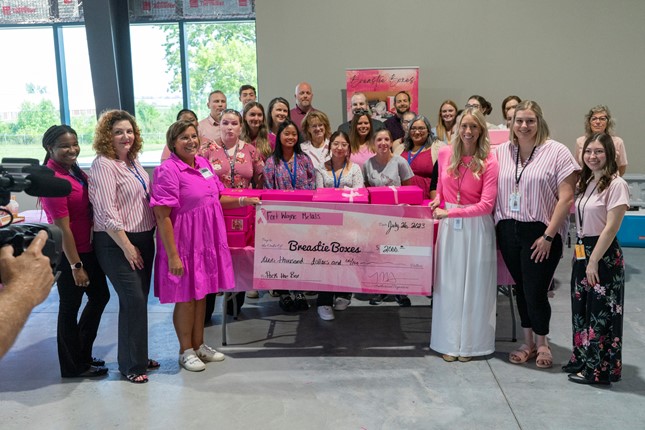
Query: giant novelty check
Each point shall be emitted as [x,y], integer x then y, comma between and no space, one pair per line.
[365,248]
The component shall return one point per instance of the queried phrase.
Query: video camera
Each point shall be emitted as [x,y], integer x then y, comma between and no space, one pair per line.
[25,174]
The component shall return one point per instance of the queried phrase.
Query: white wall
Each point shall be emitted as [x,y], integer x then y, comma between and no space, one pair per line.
[568,55]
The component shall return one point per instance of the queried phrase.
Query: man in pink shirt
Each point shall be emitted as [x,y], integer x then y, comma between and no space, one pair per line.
[209,126]
[304,96]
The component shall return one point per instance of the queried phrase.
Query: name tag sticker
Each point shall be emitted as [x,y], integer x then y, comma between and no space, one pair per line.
[458,223]
[205,172]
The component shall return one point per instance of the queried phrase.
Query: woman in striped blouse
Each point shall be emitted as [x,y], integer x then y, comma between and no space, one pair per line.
[537,177]
[124,227]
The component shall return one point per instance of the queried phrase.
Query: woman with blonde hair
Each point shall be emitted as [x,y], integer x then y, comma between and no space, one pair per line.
[537,177]
[464,294]
[316,130]
[446,121]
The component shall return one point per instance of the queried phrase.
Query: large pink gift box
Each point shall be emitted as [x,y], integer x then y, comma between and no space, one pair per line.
[288,195]
[345,195]
[408,194]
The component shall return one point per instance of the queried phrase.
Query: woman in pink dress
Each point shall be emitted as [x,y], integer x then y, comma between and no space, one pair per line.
[464,296]
[193,258]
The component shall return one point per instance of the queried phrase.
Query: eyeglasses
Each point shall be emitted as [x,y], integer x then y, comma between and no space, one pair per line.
[418,129]
[361,112]
[315,126]
[599,119]
[476,106]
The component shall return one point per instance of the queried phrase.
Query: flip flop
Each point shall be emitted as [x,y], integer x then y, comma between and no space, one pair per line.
[137,378]
[522,354]
[544,358]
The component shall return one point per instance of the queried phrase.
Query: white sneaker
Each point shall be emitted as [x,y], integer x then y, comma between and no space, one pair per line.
[341,303]
[189,361]
[325,313]
[206,353]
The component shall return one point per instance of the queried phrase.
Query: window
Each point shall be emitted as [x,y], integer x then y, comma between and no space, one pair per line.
[29,93]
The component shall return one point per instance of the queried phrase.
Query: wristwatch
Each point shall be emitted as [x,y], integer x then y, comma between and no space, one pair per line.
[547,238]
[77,266]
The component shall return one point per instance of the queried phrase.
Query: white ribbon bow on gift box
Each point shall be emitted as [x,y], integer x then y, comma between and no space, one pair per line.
[396,194]
[351,194]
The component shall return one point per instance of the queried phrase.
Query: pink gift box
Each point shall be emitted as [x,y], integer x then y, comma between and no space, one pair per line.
[497,137]
[241,192]
[240,239]
[288,195]
[346,195]
[408,194]
[239,223]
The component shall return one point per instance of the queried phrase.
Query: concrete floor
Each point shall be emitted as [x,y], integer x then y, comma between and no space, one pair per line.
[369,369]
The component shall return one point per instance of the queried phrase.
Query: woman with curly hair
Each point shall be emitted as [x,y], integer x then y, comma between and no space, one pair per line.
[124,228]
[598,275]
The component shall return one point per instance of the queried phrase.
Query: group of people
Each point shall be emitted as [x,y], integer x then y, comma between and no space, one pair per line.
[516,198]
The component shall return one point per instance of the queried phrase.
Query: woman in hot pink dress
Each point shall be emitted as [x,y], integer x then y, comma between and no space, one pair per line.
[193,258]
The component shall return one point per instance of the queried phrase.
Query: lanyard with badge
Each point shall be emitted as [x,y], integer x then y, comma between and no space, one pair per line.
[139,177]
[580,207]
[340,176]
[411,159]
[514,199]
[231,162]
[292,174]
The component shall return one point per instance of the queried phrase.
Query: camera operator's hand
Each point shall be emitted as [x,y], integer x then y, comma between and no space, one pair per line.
[30,273]
[27,282]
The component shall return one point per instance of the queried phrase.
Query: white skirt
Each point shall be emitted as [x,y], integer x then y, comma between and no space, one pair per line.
[464,295]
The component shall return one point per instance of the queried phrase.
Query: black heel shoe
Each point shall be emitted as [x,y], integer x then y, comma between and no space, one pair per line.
[572,368]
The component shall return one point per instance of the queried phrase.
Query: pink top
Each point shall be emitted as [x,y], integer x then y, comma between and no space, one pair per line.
[76,206]
[248,166]
[476,195]
[364,153]
[550,164]
[209,129]
[594,210]
[621,155]
[119,195]
[198,227]
[272,138]
[422,166]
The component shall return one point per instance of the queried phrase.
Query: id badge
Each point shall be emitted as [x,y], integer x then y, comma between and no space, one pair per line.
[514,202]
[205,172]
[458,223]
[580,251]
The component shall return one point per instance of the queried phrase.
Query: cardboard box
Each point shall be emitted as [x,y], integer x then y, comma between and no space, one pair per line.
[409,194]
[239,223]
[240,239]
[342,195]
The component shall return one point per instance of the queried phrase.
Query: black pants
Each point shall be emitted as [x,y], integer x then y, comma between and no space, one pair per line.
[76,336]
[531,279]
[327,299]
[132,287]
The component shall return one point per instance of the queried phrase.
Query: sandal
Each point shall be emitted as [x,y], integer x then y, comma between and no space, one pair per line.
[544,358]
[136,378]
[153,364]
[522,354]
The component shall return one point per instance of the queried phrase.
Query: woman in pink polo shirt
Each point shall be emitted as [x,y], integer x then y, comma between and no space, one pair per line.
[80,272]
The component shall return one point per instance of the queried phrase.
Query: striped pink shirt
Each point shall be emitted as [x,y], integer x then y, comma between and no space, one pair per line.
[118,196]
[551,164]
